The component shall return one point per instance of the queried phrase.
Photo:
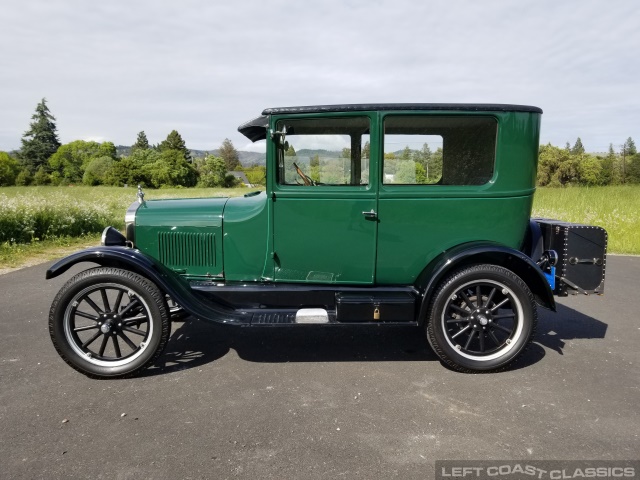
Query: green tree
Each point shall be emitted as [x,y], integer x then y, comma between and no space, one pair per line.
[405,172]
[607,172]
[634,169]
[421,174]
[314,168]
[390,163]
[630,146]
[125,172]
[144,157]
[107,149]
[41,140]
[547,164]
[590,171]
[132,170]
[423,155]
[212,171]
[557,166]
[230,181]
[41,177]
[290,152]
[71,159]
[142,143]
[9,169]
[96,171]
[230,155]
[24,177]
[578,148]
[171,169]
[628,149]
[434,167]
[257,174]
[175,142]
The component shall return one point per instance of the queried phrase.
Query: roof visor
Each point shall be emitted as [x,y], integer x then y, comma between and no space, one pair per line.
[255,129]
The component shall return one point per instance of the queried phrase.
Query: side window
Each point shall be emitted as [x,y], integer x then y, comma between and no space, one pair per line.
[324,151]
[438,150]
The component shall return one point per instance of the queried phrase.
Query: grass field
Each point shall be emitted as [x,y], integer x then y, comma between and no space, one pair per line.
[40,221]
[37,220]
[617,209]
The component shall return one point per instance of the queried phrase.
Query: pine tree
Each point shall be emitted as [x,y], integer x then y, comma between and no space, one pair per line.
[290,152]
[141,142]
[230,155]
[607,174]
[578,148]
[630,147]
[41,140]
[175,142]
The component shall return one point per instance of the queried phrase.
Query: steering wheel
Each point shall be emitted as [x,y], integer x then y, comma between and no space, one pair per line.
[307,181]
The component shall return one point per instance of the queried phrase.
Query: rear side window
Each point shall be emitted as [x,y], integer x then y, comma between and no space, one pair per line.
[439,150]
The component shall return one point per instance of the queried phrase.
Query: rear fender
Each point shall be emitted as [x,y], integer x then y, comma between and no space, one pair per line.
[169,282]
[479,253]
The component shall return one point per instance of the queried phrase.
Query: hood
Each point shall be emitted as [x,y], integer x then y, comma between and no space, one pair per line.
[185,212]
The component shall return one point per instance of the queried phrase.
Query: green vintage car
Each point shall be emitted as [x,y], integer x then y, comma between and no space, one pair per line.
[408,214]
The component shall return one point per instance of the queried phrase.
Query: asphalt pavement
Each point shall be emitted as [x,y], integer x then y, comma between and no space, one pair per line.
[311,402]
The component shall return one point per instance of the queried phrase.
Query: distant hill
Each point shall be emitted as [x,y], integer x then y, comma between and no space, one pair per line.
[306,152]
[246,158]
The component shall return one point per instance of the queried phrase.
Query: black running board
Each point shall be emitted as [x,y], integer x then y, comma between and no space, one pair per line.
[271,317]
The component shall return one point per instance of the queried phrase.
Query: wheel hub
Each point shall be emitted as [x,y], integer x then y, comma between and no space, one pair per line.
[481,317]
[110,321]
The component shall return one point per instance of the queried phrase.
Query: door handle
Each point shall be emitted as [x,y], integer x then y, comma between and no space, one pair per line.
[372,214]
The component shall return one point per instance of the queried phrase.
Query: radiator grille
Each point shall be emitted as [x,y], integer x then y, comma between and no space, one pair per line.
[179,249]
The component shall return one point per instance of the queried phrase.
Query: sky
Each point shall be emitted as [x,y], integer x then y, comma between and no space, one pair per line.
[111,69]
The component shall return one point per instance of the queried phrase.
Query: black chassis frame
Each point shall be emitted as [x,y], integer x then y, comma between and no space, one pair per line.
[247,304]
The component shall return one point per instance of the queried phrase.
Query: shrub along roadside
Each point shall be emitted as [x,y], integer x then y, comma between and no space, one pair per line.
[25,219]
[37,213]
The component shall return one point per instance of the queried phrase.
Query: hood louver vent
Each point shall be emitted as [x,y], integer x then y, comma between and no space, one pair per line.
[187,249]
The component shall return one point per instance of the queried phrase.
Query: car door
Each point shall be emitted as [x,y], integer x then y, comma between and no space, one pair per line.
[324,199]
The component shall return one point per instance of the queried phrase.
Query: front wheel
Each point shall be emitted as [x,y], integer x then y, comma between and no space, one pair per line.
[109,323]
[481,319]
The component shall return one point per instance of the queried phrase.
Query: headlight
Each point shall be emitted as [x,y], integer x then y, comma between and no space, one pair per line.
[112,238]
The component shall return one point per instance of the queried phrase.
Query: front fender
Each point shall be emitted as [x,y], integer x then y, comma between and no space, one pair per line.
[483,252]
[169,282]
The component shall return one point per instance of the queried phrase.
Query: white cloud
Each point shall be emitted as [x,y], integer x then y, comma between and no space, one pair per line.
[114,68]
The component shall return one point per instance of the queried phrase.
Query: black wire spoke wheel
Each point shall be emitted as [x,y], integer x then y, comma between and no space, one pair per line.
[107,322]
[481,319]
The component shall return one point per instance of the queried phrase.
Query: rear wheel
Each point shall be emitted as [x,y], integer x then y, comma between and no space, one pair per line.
[108,323]
[481,319]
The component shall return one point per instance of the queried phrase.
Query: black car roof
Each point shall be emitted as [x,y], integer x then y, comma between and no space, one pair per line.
[256,129]
[360,107]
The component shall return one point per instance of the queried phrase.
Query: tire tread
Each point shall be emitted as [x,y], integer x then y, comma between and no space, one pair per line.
[142,282]
[431,338]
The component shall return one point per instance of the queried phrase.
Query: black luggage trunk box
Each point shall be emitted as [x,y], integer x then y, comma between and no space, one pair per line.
[582,255]
[361,307]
